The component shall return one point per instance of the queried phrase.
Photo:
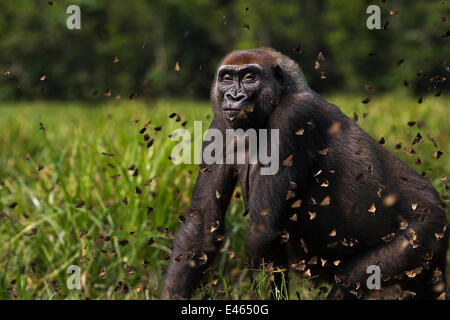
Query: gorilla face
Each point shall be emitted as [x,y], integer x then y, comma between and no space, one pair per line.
[245,94]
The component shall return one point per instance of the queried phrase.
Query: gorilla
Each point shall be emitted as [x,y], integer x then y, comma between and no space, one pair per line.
[339,205]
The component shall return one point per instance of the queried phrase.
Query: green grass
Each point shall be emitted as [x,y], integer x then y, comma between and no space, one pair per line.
[42,235]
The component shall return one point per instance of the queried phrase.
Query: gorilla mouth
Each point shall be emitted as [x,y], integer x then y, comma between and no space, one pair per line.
[247,107]
[240,112]
[232,113]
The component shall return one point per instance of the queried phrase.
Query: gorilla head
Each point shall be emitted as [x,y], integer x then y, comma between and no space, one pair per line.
[247,85]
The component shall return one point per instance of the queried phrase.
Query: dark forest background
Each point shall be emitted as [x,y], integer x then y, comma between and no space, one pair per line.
[150,37]
[87,177]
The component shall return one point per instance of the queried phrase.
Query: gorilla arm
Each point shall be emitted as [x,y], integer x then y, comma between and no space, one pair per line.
[197,240]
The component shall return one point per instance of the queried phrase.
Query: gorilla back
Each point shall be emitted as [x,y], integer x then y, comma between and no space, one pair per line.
[338,204]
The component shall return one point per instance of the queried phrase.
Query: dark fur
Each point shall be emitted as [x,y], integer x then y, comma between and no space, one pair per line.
[354,176]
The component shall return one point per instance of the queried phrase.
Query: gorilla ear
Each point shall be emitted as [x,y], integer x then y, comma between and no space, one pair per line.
[278,74]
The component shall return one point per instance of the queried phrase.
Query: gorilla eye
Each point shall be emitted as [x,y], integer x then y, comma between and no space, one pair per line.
[250,77]
[226,77]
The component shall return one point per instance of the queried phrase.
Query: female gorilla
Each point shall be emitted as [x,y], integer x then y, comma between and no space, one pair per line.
[338,204]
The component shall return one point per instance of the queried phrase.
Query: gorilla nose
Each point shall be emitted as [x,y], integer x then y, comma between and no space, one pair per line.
[235,97]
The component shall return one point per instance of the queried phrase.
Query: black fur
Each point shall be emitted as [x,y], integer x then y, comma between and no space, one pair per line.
[342,176]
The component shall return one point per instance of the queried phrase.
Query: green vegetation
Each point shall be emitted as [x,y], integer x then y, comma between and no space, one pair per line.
[84,188]
[72,211]
[150,37]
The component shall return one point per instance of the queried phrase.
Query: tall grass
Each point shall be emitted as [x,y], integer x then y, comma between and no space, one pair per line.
[62,201]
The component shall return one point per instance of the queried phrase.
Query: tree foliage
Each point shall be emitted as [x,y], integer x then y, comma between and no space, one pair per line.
[150,38]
